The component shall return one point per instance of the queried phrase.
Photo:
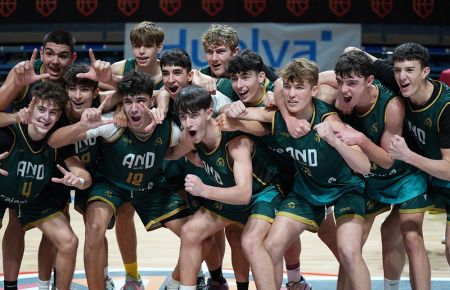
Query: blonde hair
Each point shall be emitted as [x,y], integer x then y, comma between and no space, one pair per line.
[301,70]
[146,33]
[219,34]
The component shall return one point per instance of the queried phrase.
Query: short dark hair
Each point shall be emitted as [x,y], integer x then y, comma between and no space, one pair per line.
[70,77]
[176,57]
[412,51]
[51,92]
[246,60]
[60,37]
[135,83]
[354,62]
[192,99]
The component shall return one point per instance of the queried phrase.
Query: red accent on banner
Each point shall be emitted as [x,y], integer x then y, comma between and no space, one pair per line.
[423,8]
[212,7]
[128,7]
[87,7]
[170,7]
[46,7]
[255,7]
[297,7]
[381,7]
[340,7]
[7,7]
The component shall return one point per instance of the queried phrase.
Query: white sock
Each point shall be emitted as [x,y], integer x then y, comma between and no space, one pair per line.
[173,284]
[391,284]
[105,272]
[184,287]
[294,275]
[44,285]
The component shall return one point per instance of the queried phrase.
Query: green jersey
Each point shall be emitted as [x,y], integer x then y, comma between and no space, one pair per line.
[386,185]
[130,64]
[30,169]
[132,163]
[219,166]
[423,123]
[322,174]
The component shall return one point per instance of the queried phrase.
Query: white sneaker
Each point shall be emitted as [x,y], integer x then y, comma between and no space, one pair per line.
[300,285]
[132,284]
[109,283]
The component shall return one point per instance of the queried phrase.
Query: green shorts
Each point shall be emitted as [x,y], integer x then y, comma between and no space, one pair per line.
[441,198]
[349,204]
[58,192]
[262,205]
[36,211]
[421,203]
[154,207]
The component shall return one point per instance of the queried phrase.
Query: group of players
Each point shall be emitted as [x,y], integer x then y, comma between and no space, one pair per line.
[228,151]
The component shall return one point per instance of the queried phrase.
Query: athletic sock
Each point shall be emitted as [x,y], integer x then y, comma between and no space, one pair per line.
[293,272]
[184,287]
[132,270]
[391,284]
[10,285]
[172,284]
[216,275]
[43,284]
[242,285]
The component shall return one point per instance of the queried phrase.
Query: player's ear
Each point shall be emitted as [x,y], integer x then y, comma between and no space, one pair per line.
[209,113]
[73,57]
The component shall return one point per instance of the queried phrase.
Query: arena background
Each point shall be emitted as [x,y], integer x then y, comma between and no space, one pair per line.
[308,27]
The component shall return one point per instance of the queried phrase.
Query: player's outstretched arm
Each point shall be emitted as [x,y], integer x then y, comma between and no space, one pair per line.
[77,176]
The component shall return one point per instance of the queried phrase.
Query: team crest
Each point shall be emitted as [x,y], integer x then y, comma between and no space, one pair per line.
[46,7]
[381,7]
[332,179]
[7,7]
[220,162]
[128,7]
[374,127]
[255,7]
[317,138]
[285,134]
[158,141]
[212,7]
[87,7]
[170,7]
[297,7]
[291,205]
[340,7]
[428,122]
[373,166]
[423,8]
[218,206]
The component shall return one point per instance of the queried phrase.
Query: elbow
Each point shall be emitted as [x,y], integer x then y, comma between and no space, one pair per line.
[364,168]
[246,197]
[387,164]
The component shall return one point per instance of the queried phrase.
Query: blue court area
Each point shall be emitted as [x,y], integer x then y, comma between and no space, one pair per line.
[155,279]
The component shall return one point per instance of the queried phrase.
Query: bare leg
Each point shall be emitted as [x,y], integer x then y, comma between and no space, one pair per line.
[13,246]
[241,266]
[255,232]
[126,233]
[283,232]
[46,258]
[349,240]
[60,234]
[98,216]
[193,234]
[447,243]
[394,254]
[420,272]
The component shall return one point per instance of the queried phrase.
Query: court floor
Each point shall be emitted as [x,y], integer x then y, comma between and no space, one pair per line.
[158,252]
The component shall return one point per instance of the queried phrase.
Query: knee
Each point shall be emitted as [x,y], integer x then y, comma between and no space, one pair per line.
[250,244]
[95,233]
[413,241]
[189,235]
[272,247]
[69,244]
[349,254]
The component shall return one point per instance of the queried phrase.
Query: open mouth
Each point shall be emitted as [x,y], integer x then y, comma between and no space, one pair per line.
[142,59]
[135,119]
[192,132]
[173,89]
[78,104]
[347,99]
[53,71]
[242,95]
